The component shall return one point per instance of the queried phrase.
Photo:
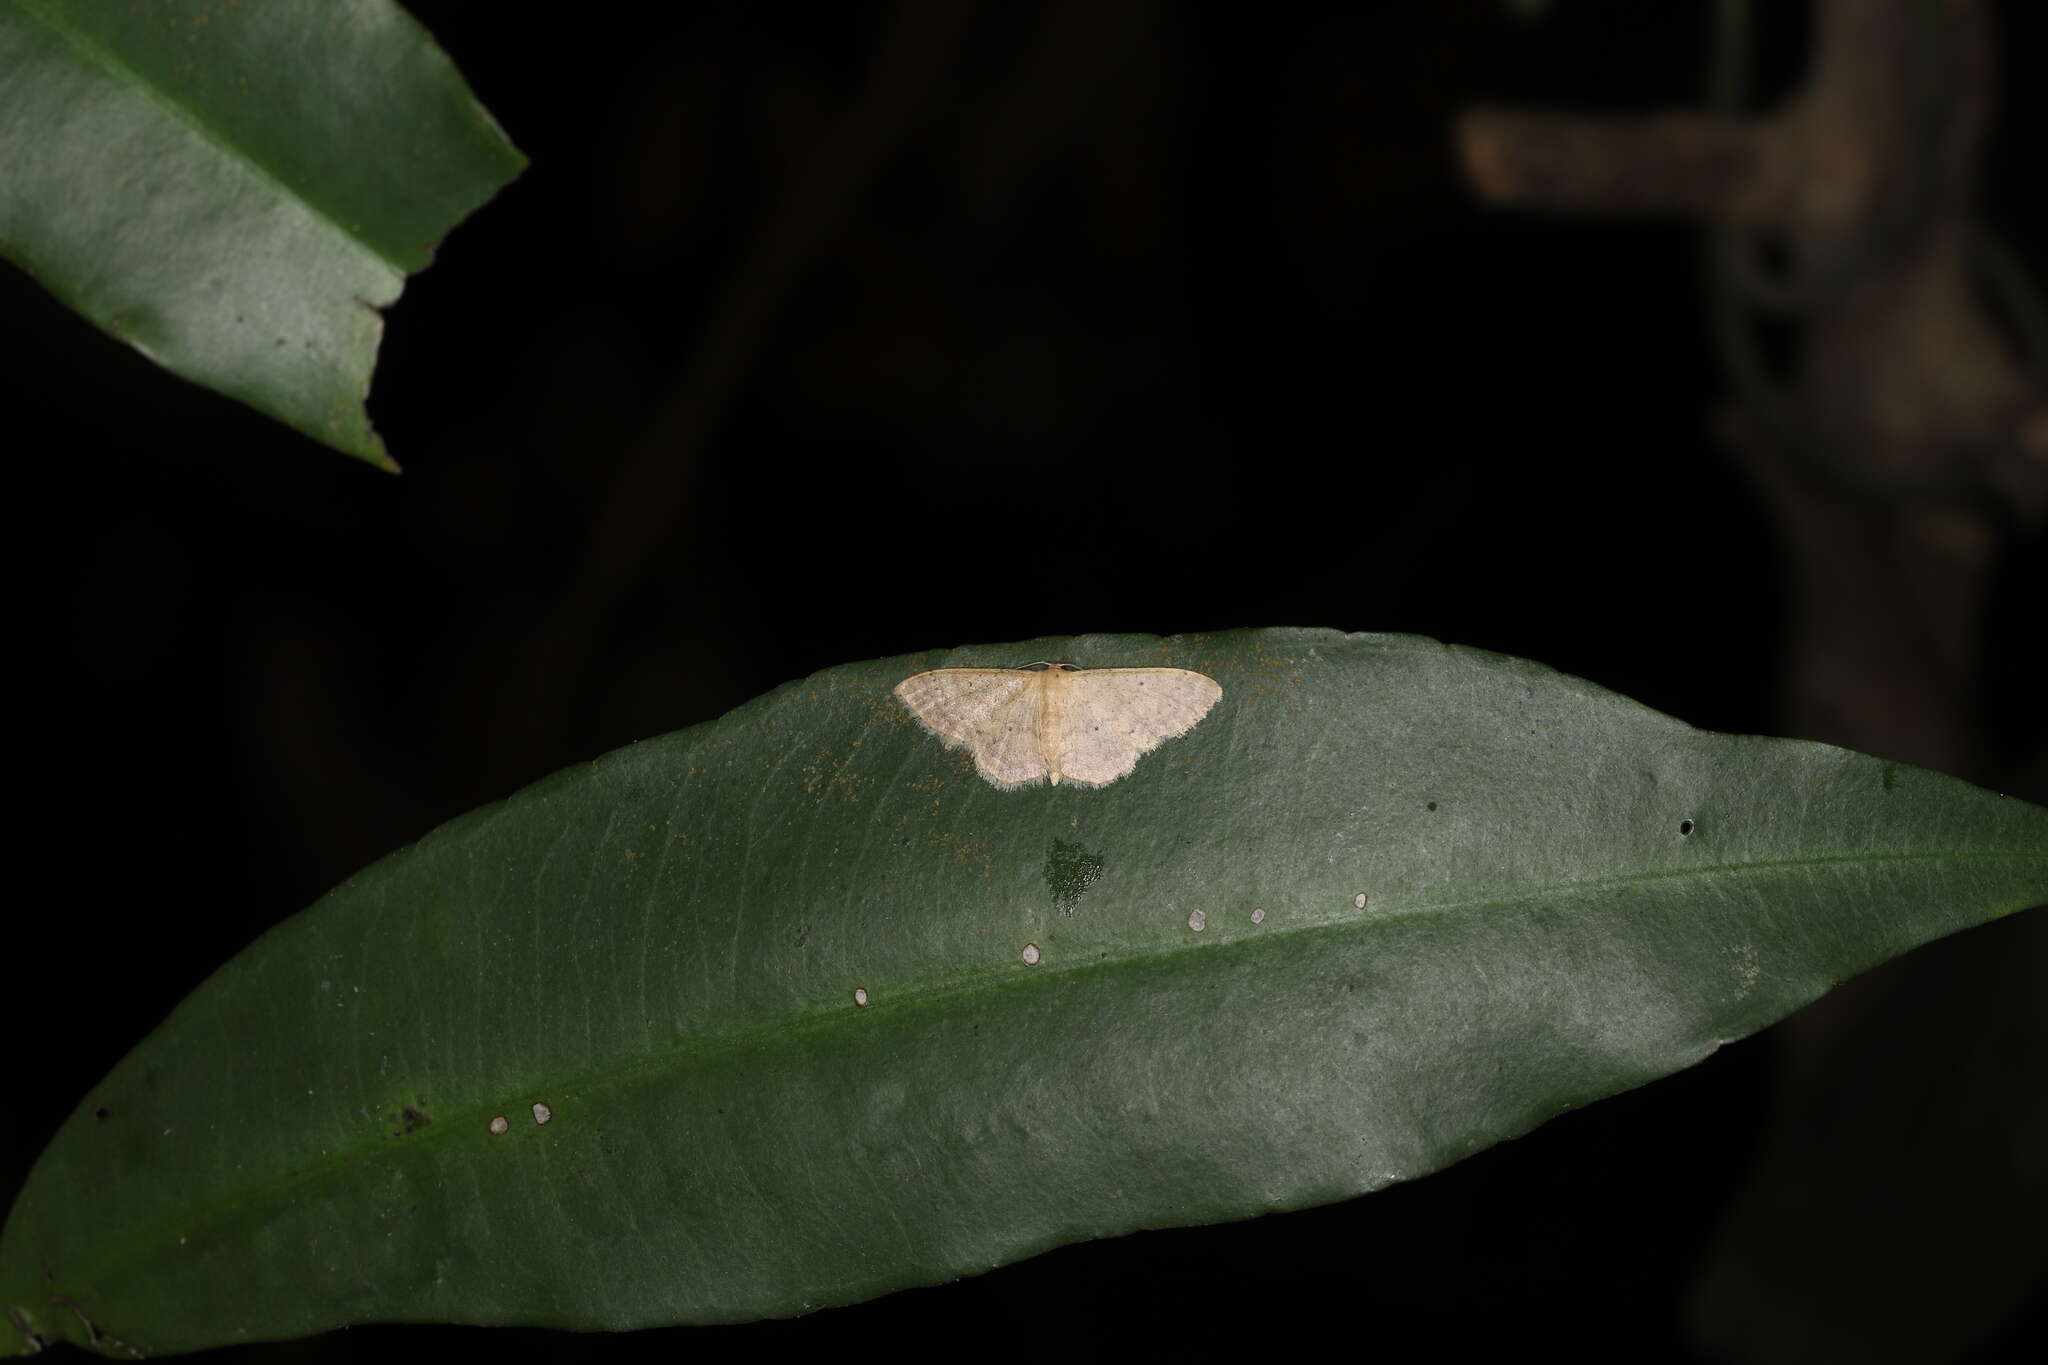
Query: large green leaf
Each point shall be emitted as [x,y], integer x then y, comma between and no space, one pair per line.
[1490,892]
[235,189]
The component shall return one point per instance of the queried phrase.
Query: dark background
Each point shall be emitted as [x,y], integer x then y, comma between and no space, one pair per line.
[1159,318]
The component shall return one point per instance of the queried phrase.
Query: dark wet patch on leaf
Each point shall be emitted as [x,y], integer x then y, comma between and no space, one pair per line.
[1069,871]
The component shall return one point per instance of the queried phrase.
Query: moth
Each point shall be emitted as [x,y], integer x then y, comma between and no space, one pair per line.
[1059,723]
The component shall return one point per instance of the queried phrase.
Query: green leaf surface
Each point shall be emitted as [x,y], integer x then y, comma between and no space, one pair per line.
[236,187]
[1490,892]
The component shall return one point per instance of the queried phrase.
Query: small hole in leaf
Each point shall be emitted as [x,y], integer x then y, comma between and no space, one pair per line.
[1684,828]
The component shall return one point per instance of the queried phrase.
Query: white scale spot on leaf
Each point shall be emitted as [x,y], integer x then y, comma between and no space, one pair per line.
[1358,901]
[501,1124]
[1258,914]
[541,1113]
[860,995]
[1030,954]
[1198,921]
[1058,723]
[1747,969]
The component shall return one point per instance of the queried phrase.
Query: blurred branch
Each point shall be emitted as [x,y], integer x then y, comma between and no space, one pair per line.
[1692,165]
[1900,447]
[515,680]
[740,320]
[948,89]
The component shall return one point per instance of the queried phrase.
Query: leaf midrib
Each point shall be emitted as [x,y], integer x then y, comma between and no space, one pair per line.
[96,52]
[700,1046]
